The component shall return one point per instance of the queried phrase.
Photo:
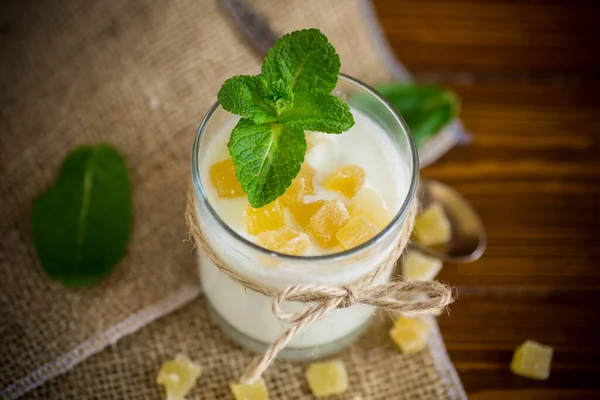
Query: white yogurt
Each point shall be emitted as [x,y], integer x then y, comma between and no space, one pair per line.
[366,144]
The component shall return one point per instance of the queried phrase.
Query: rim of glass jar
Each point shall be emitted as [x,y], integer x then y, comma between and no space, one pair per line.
[399,217]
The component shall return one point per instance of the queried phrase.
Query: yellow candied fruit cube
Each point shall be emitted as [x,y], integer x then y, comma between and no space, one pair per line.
[532,360]
[266,218]
[411,334]
[178,376]
[301,185]
[222,175]
[347,179]
[327,378]
[303,211]
[357,231]
[325,223]
[367,203]
[432,226]
[256,390]
[285,240]
[419,267]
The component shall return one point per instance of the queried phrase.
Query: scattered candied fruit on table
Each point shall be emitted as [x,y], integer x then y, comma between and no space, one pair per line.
[419,267]
[256,390]
[301,185]
[432,226]
[327,378]
[285,240]
[178,376]
[303,211]
[222,175]
[266,218]
[357,231]
[325,223]
[411,334]
[532,360]
[367,203]
[346,179]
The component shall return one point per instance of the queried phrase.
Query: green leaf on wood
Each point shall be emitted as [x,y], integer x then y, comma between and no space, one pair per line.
[81,226]
[426,109]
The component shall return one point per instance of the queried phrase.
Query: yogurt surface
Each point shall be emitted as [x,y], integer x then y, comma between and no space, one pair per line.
[366,144]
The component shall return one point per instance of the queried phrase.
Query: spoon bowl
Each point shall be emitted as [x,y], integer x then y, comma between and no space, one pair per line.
[468,234]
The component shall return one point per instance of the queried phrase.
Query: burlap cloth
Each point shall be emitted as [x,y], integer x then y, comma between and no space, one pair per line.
[140,74]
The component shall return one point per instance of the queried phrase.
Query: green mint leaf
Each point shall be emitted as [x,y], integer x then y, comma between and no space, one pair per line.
[319,111]
[291,94]
[304,60]
[267,157]
[81,225]
[279,96]
[245,96]
[426,109]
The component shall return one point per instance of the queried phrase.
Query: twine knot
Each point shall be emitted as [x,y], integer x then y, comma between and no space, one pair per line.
[408,298]
[351,297]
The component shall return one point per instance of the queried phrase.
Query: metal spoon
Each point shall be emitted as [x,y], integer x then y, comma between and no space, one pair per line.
[468,234]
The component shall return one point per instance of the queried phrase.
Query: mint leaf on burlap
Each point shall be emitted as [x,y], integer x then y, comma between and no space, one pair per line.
[81,226]
[267,157]
[319,111]
[304,60]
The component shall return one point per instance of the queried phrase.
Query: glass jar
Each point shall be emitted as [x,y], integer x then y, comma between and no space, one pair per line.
[245,315]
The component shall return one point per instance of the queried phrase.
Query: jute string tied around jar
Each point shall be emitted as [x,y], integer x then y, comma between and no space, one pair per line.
[394,296]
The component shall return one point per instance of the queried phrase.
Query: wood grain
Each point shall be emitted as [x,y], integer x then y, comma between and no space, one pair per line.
[527,73]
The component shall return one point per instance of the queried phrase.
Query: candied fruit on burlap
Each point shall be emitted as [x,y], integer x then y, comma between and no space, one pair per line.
[285,240]
[432,226]
[303,211]
[256,390]
[222,175]
[411,334]
[266,218]
[356,232]
[419,267]
[178,376]
[327,221]
[327,378]
[367,203]
[532,360]
[347,179]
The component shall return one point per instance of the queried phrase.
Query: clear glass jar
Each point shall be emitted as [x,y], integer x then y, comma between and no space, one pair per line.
[245,315]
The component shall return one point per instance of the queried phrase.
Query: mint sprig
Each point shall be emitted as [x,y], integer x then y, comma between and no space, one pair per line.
[292,94]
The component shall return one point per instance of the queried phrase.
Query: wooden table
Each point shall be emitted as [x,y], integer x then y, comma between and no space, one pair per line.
[528,75]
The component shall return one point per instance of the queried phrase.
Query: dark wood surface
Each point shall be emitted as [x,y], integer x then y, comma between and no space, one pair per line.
[528,74]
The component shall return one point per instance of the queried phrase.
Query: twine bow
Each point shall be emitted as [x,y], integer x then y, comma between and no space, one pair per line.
[393,296]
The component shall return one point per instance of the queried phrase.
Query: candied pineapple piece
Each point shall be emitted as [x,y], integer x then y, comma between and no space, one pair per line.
[178,376]
[411,334]
[357,231]
[432,226]
[301,185]
[532,360]
[222,175]
[285,240]
[256,390]
[327,378]
[367,203]
[347,179]
[419,267]
[303,211]
[325,223]
[266,218]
